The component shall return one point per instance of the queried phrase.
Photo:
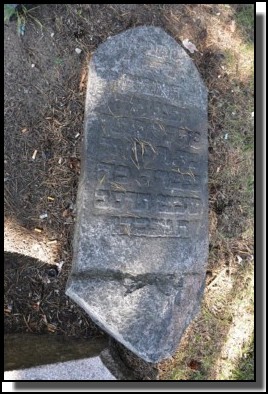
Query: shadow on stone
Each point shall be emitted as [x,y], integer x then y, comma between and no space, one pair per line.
[125,365]
[30,350]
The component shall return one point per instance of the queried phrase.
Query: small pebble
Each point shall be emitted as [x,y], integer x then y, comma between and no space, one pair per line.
[43,216]
[71,206]
[78,51]
[59,266]
[239,259]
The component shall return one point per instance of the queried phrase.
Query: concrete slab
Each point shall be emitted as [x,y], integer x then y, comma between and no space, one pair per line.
[85,369]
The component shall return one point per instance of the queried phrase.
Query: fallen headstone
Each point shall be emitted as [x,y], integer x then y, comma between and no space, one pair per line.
[141,238]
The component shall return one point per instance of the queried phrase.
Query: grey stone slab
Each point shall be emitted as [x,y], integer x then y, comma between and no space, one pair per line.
[141,239]
[26,350]
[86,369]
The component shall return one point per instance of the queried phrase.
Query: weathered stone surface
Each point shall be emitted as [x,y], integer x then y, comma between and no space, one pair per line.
[85,369]
[141,238]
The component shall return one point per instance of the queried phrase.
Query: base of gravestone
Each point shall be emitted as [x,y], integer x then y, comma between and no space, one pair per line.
[125,365]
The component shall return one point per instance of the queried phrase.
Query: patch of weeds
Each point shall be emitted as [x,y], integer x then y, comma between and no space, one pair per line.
[245,367]
[237,360]
[238,120]
[10,10]
[230,58]
[22,14]
[250,183]
[239,126]
[197,352]
[13,11]
[177,375]
[213,344]
[58,61]
[239,64]
[241,369]
[197,375]
[245,19]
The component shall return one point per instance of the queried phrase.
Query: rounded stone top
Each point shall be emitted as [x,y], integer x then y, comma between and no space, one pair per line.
[150,54]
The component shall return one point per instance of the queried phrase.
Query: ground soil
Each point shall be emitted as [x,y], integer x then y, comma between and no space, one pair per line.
[45,82]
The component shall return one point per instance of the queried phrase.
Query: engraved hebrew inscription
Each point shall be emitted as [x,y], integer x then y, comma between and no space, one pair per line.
[141,237]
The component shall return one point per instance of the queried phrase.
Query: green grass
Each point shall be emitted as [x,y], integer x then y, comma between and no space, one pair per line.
[9,11]
[245,19]
[239,125]
[241,366]
[23,16]
[58,61]
[245,367]
[221,337]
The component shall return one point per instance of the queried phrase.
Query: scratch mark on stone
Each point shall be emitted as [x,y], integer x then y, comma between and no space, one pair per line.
[164,282]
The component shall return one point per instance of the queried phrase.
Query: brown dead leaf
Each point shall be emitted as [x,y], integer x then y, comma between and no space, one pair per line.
[82,80]
[36,306]
[195,365]
[65,213]
[74,164]
[51,327]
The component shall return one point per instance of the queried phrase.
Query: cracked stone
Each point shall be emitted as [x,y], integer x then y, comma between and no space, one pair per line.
[141,237]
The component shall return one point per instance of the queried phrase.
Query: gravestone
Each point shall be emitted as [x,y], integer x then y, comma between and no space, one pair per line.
[141,238]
